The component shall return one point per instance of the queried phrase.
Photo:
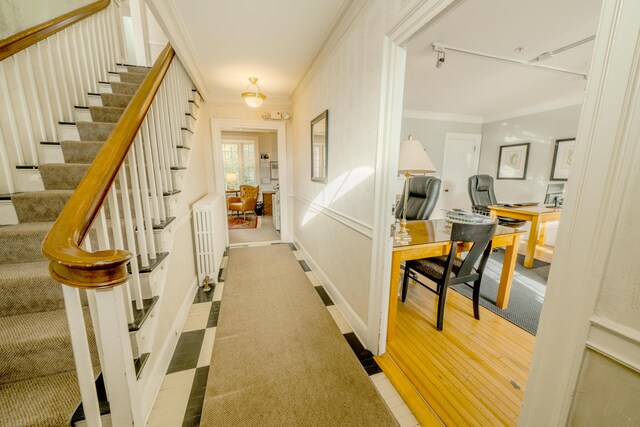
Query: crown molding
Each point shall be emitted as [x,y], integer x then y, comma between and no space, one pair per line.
[446,117]
[168,18]
[346,17]
[540,108]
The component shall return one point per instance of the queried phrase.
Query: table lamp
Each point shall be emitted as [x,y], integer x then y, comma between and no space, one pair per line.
[413,159]
[231,178]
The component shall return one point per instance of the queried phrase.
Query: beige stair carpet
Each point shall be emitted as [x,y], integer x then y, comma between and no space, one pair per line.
[279,358]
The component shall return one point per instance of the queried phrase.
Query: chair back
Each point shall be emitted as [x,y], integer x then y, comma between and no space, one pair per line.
[481,191]
[478,234]
[423,195]
[249,191]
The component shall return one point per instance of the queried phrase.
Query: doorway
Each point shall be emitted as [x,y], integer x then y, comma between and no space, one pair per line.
[250,156]
[461,159]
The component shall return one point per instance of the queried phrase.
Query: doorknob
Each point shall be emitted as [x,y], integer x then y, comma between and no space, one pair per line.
[446,190]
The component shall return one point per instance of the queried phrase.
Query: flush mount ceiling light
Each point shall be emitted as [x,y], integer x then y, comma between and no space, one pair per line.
[253,95]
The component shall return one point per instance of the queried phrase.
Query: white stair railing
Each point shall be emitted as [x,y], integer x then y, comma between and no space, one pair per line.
[40,85]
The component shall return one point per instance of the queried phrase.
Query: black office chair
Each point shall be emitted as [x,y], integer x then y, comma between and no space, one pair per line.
[423,195]
[482,195]
[450,270]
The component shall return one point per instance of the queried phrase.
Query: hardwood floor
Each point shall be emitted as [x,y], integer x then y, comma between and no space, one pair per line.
[473,372]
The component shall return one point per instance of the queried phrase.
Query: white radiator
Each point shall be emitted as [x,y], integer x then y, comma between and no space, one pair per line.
[209,228]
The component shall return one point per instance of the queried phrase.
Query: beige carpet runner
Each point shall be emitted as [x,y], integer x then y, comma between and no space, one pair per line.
[279,358]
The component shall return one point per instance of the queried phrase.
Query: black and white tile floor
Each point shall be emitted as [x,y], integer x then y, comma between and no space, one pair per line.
[181,396]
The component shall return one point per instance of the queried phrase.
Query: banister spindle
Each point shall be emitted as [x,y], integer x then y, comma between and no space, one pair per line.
[66,93]
[14,137]
[25,113]
[9,187]
[150,167]
[118,243]
[137,207]
[67,66]
[158,160]
[35,96]
[49,105]
[144,192]
[134,277]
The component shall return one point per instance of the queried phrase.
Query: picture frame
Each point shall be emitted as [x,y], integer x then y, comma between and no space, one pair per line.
[265,156]
[563,156]
[274,171]
[513,160]
[320,147]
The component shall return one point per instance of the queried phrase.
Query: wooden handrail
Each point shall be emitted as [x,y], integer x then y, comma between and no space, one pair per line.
[70,264]
[22,40]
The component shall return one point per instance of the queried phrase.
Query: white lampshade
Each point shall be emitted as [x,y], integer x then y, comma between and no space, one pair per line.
[232,177]
[413,158]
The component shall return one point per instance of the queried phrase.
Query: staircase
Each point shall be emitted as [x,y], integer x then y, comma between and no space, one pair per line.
[38,384]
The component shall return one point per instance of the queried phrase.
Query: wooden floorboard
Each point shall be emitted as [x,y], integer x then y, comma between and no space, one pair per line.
[474,372]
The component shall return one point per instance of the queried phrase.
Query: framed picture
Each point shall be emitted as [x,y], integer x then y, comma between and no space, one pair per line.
[562,159]
[512,161]
[319,147]
[264,156]
[274,171]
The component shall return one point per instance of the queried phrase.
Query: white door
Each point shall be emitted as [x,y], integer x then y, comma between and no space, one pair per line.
[461,158]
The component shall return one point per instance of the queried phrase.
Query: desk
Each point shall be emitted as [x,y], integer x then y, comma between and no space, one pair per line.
[538,216]
[267,199]
[433,238]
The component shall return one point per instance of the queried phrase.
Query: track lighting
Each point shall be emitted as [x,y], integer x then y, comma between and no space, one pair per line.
[441,55]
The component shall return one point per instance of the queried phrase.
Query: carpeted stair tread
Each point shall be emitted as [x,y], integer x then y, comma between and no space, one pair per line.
[80,151]
[136,69]
[62,176]
[28,288]
[132,77]
[38,344]
[95,131]
[40,206]
[21,243]
[105,114]
[124,88]
[40,402]
[115,100]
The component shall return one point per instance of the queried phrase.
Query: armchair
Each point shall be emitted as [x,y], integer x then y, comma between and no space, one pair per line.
[246,202]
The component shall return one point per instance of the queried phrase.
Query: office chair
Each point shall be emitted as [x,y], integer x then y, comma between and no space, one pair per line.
[450,270]
[423,195]
[482,195]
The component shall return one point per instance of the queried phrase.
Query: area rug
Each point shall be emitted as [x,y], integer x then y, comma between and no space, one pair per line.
[238,223]
[279,359]
[527,291]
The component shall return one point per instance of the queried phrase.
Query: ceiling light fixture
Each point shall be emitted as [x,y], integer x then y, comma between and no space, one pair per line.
[441,49]
[253,95]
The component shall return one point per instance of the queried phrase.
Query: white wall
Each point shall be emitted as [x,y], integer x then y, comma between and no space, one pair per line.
[333,221]
[541,130]
[18,15]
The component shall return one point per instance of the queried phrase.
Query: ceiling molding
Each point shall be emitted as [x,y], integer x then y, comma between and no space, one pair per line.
[168,18]
[347,15]
[445,117]
[540,108]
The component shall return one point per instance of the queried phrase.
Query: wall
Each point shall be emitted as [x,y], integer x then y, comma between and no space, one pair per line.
[333,221]
[541,130]
[18,15]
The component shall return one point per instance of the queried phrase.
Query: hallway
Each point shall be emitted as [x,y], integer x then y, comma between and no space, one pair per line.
[271,355]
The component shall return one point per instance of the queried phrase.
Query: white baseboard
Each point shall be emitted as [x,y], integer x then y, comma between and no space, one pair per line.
[151,387]
[356,323]
[7,213]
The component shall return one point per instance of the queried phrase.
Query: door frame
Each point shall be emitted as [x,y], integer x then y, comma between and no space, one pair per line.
[602,165]
[218,125]
[471,137]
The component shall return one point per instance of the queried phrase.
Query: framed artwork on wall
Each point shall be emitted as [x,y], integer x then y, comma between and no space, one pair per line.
[512,161]
[319,147]
[274,171]
[562,159]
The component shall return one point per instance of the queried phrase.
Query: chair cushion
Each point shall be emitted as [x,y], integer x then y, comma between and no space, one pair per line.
[433,268]
[235,206]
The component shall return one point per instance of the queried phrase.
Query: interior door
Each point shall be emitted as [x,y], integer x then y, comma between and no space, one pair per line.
[461,158]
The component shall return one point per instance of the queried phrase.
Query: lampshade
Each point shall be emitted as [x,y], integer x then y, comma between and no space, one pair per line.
[253,95]
[232,177]
[413,158]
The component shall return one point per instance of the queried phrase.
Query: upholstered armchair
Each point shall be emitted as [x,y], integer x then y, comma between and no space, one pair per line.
[246,202]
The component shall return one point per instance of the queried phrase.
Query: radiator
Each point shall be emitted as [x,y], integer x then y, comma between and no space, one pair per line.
[209,229]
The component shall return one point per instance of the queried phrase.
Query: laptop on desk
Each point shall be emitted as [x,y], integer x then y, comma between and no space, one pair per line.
[519,205]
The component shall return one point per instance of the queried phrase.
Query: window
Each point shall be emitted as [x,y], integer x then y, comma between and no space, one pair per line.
[239,159]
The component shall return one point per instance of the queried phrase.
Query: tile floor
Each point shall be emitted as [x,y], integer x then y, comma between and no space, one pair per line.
[181,396]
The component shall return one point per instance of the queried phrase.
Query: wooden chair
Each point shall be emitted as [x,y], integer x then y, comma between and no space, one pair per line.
[450,270]
[246,202]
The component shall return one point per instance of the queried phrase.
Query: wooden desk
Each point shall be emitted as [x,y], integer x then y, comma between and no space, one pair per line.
[267,200]
[538,216]
[433,238]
